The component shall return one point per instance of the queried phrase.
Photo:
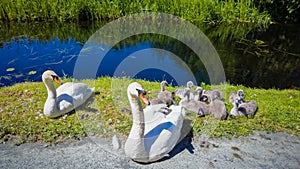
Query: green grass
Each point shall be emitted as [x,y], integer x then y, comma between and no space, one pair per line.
[278,111]
[212,11]
[21,109]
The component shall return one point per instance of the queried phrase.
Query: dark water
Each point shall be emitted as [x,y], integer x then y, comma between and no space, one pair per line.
[272,61]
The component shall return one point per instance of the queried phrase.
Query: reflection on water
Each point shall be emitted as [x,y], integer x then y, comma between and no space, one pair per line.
[23,59]
[272,61]
[26,50]
[156,65]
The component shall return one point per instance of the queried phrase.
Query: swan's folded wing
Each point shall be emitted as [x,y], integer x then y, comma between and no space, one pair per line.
[65,88]
[162,138]
[160,145]
[73,94]
[73,89]
[153,116]
[65,103]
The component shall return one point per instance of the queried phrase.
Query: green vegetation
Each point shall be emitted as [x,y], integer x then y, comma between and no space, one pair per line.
[281,10]
[47,31]
[22,119]
[212,11]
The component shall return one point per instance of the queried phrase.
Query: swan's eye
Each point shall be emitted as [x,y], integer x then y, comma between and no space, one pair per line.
[141,92]
[54,77]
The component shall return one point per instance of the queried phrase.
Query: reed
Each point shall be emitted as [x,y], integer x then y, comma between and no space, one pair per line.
[211,11]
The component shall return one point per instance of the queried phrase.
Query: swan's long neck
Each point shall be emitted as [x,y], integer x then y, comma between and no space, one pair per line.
[50,104]
[138,115]
[51,90]
[135,144]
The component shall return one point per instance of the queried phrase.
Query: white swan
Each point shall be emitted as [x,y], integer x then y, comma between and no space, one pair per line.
[150,139]
[67,96]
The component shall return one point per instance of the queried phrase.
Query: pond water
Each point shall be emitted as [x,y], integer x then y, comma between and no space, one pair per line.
[273,61]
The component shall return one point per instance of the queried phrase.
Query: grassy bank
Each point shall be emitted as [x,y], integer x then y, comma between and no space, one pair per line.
[212,11]
[22,119]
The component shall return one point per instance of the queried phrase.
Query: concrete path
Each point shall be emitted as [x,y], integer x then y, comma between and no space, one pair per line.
[260,150]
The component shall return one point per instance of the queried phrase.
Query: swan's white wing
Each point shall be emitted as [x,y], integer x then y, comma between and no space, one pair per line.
[82,95]
[65,103]
[64,88]
[153,116]
[71,95]
[153,111]
[162,138]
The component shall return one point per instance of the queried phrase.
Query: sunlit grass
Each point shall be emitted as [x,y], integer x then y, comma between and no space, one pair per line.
[212,11]
[22,119]
[278,111]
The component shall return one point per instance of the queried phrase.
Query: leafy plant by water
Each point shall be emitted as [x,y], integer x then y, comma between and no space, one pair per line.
[211,11]
[281,10]
[22,119]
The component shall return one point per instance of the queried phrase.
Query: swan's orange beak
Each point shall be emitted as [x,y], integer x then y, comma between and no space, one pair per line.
[145,100]
[57,80]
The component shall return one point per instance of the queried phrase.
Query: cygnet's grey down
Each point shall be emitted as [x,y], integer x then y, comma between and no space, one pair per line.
[198,95]
[198,107]
[241,108]
[207,95]
[156,101]
[181,91]
[234,111]
[164,95]
[236,97]
[217,106]
[248,109]
[189,84]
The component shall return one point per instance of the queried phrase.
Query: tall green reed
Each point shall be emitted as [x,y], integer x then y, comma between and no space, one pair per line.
[211,11]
